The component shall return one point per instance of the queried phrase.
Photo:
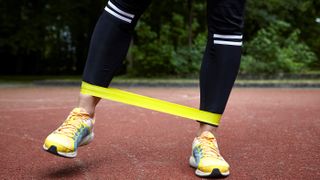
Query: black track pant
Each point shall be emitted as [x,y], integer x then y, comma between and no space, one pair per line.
[112,35]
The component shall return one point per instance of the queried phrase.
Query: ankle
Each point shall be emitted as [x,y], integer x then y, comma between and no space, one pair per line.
[206,127]
[88,103]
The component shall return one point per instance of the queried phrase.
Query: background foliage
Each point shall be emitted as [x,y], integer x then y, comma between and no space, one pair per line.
[43,37]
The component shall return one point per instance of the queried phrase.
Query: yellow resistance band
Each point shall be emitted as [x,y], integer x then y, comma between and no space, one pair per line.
[150,103]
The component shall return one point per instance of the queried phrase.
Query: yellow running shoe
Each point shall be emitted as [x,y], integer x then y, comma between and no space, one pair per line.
[77,130]
[206,157]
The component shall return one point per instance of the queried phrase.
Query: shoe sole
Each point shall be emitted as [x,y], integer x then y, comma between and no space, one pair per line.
[53,149]
[214,174]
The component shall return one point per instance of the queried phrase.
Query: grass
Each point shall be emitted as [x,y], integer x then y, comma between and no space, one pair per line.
[279,81]
[151,81]
[30,79]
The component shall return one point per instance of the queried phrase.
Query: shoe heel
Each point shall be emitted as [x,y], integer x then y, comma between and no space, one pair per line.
[192,162]
[87,139]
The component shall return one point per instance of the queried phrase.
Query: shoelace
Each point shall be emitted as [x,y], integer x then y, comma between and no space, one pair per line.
[209,149]
[72,124]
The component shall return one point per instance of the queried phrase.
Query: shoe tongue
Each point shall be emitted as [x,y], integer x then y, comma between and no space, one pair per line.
[207,135]
[79,111]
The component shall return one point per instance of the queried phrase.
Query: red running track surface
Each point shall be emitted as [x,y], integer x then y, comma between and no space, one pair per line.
[265,134]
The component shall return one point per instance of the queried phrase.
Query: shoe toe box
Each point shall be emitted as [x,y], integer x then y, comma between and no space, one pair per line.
[209,164]
[62,143]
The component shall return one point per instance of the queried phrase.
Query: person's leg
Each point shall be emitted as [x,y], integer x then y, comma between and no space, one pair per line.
[108,48]
[221,60]
[219,69]
[109,45]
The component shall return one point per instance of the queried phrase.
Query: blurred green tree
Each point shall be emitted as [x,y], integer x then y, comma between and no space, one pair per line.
[52,37]
[272,51]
